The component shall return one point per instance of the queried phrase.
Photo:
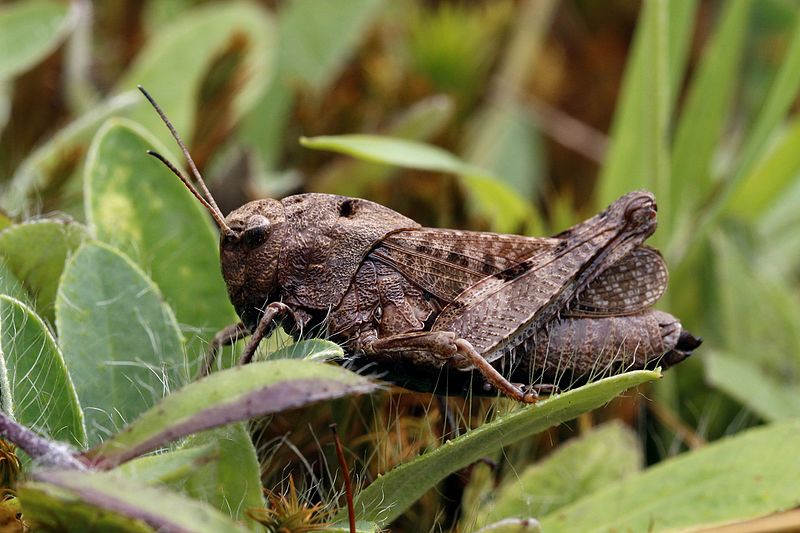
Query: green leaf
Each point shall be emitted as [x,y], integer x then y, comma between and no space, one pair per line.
[264,128]
[230,396]
[771,178]
[172,64]
[776,233]
[38,386]
[309,349]
[161,509]
[316,38]
[749,475]
[29,31]
[753,386]
[652,78]
[390,495]
[35,253]
[353,177]
[136,204]
[760,316]
[706,110]
[169,468]
[581,466]
[507,142]
[393,151]
[502,207]
[50,508]
[232,482]
[782,94]
[503,136]
[119,338]
[490,196]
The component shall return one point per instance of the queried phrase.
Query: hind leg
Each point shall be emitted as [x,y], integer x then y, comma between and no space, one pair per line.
[445,348]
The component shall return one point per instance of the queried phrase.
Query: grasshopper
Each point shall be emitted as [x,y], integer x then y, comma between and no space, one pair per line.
[523,315]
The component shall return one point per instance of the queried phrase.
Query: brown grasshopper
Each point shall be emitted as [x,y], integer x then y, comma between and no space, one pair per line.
[423,303]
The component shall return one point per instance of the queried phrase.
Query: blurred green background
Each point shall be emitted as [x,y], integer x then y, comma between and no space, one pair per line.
[542,113]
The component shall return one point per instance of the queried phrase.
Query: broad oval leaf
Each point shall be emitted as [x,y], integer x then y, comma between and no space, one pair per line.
[35,253]
[231,482]
[28,32]
[390,495]
[37,389]
[119,338]
[159,508]
[136,204]
[230,396]
[752,474]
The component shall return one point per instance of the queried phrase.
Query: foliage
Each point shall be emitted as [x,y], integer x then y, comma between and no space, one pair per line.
[453,114]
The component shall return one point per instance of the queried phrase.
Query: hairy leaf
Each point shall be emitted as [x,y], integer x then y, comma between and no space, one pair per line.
[37,390]
[390,495]
[119,338]
[230,396]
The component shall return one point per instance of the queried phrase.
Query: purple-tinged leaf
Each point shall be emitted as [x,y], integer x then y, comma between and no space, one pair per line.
[230,396]
[159,508]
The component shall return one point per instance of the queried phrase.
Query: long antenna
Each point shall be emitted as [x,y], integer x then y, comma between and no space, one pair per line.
[217,218]
[208,201]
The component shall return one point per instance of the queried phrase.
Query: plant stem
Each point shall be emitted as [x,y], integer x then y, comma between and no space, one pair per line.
[45,452]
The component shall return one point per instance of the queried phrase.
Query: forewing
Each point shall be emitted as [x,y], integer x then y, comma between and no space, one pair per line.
[447,262]
[503,309]
[629,286]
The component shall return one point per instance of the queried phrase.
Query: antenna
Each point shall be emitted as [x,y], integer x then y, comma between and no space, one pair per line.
[206,199]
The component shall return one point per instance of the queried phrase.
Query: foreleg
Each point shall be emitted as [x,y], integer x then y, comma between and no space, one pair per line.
[233,333]
[224,337]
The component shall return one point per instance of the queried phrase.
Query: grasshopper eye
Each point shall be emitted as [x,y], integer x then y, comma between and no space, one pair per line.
[257,231]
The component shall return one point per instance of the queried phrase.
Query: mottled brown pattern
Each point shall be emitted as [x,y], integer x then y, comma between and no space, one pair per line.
[330,236]
[313,246]
[454,260]
[559,309]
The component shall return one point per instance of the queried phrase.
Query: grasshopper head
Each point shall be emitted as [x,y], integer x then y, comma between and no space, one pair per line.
[249,251]
[250,237]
